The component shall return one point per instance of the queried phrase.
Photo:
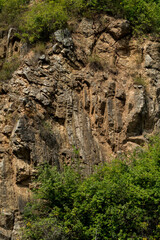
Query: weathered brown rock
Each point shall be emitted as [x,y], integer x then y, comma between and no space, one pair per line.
[97,90]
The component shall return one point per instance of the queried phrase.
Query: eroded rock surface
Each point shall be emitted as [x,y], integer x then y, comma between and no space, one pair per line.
[96,90]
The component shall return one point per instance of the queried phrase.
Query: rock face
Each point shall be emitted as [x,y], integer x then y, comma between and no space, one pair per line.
[96,90]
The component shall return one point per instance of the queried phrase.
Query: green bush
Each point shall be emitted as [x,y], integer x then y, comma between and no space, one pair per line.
[40,21]
[11,11]
[144,15]
[121,200]
[55,192]
[110,6]
[37,21]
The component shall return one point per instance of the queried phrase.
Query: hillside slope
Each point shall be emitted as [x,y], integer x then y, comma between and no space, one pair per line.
[95,89]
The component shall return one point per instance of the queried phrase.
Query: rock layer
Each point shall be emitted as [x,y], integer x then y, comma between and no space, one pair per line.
[95,90]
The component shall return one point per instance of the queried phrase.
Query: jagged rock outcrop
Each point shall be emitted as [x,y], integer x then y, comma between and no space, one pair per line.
[96,89]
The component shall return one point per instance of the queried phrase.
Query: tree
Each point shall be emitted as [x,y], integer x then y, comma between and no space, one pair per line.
[121,200]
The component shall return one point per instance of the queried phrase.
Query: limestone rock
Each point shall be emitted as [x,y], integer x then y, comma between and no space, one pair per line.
[60,100]
[64,37]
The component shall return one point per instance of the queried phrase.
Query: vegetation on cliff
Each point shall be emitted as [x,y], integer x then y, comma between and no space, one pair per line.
[121,200]
[37,20]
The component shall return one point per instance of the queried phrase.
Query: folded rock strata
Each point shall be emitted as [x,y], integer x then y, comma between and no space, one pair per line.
[96,90]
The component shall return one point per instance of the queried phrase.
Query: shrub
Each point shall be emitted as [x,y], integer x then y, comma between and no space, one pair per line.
[11,10]
[121,200]
[45,17]
[38,21]
[143,15]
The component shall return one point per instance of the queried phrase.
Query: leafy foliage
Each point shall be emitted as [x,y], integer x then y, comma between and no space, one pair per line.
[11,9]
[144,15]
[43,19]
[38,20]
[121,200]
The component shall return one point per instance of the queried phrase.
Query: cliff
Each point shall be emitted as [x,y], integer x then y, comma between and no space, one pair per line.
[95,88]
